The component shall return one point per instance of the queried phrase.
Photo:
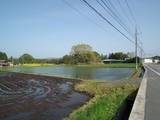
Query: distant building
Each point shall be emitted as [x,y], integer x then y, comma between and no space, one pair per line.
[4,63]
[148,60]
[109,61]
[156,61]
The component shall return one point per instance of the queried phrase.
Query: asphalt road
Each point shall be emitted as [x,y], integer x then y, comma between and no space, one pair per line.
[152,109]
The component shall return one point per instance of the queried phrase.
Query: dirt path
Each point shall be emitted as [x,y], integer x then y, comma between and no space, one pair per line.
[122,82]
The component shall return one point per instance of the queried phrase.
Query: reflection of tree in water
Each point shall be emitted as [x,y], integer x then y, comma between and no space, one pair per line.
[83,73]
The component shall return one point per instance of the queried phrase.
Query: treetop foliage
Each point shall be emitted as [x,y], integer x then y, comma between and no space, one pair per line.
[77,49]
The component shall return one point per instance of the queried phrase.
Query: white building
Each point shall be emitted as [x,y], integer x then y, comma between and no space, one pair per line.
[148,60]
[156,61]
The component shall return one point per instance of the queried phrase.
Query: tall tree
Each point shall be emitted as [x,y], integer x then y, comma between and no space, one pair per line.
[82,53]
[77,49]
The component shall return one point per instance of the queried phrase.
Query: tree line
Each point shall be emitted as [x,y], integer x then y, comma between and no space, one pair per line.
[79,54]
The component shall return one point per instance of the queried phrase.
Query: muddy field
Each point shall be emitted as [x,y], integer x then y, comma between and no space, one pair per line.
[35,97]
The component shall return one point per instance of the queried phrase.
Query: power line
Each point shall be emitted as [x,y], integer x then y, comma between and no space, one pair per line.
[104,18]
[85,16]
[124,12]
[114,16]
[114,8]
[131,13]
[110,3]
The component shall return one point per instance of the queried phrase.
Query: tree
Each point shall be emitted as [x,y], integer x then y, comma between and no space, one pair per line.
[67,59]
[26,58]
[3,56]
[81,53]
[97,57]
[103,56]
[118,55]
[156,57]
[77,49]
[133,60]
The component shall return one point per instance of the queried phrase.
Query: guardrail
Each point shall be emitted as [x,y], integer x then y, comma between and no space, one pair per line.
[138,109]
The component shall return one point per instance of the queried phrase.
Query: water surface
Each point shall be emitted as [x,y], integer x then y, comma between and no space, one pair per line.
[86,73]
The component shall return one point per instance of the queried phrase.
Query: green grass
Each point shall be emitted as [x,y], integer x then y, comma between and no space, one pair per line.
[105,103]
[103,109]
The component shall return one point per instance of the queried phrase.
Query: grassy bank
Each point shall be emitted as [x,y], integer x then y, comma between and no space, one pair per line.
[105,103]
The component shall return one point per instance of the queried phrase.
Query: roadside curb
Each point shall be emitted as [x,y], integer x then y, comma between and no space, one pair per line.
[138,110]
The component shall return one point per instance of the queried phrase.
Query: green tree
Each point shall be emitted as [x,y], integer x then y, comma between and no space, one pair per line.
[118,55]
[67,59]
[97,56]
[77,49]
[81,53]
[3,56]
[156,57]
[133,60]
[103,56]
[26,58]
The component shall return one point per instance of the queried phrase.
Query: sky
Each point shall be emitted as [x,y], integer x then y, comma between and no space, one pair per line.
[49,28]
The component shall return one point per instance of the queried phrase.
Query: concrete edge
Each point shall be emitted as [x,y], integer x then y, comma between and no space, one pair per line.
[138,110]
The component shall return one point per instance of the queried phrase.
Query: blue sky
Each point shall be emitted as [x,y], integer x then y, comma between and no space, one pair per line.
[49,28]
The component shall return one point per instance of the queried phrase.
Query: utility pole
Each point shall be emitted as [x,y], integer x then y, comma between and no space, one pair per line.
[136,48]
[142,53]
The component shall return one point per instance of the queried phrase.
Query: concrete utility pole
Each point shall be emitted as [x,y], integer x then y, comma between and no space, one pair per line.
[136,48]
[142,53]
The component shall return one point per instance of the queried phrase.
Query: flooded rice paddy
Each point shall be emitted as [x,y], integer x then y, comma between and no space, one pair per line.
[35,97]
[86,73]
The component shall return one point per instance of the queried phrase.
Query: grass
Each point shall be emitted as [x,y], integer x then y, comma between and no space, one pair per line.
[105,103]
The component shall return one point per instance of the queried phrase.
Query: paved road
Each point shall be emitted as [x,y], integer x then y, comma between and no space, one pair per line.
[152,110]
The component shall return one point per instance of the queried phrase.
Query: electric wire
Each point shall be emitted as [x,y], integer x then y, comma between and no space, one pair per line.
[119,22]
[131,13]
[105,19]
[85,16]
